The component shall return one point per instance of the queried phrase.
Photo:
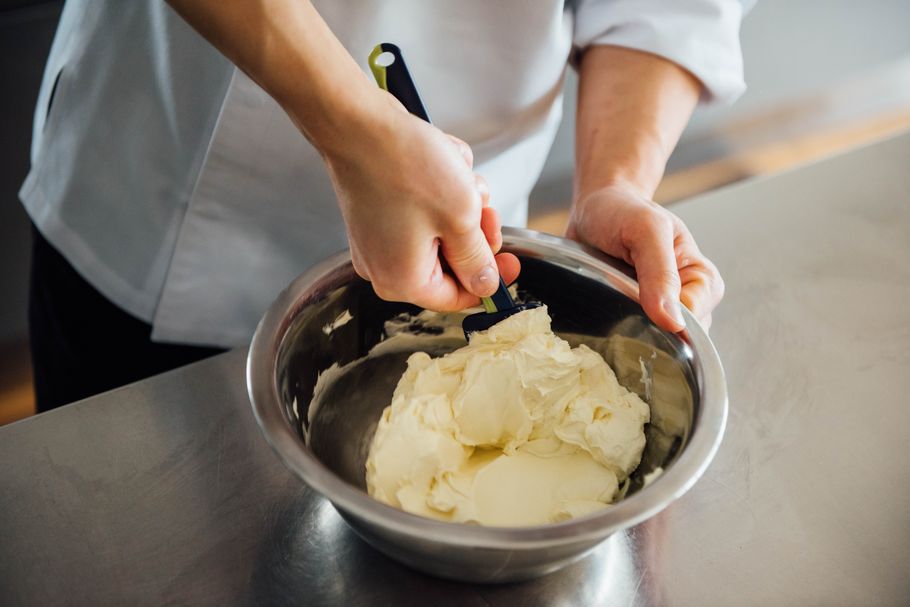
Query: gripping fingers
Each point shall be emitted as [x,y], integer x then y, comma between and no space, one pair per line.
[471,259]
[464,149]
[483,189]
[702,288]
[651,250]
[702,285]
[492,228]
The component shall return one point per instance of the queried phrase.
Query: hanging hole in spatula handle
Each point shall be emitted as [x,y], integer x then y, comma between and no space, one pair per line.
[392,74]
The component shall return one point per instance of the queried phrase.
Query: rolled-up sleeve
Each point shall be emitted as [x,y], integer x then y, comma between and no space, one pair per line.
[700,35]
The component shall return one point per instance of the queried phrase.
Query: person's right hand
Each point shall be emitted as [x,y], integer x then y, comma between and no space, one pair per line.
[409,200]
[406,189]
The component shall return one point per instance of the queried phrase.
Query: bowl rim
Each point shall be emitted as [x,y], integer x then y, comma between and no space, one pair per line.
[703,443]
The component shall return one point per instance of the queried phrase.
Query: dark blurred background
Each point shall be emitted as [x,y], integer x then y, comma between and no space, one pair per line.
[26,32]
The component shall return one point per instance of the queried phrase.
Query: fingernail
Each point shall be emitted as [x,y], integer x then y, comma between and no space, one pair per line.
[672,308]
[485,281]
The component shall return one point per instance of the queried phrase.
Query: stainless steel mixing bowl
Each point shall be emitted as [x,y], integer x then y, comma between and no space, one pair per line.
[591,298]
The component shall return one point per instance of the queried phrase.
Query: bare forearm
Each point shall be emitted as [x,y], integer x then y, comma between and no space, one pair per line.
[632,108]
[287,48]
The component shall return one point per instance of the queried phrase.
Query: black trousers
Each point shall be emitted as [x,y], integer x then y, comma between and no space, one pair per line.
[83,344]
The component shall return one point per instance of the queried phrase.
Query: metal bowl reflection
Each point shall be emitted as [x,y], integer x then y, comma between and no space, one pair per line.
[592,299]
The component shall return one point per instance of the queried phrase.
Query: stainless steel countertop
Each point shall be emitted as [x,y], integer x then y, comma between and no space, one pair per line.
[165,492]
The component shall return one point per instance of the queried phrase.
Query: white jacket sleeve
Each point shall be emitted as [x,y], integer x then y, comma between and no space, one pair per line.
[700,35]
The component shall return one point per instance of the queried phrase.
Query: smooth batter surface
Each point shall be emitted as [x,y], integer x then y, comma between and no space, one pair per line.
[516,428]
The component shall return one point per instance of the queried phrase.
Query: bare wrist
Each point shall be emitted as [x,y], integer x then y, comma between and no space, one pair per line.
[338,123]
[616,182]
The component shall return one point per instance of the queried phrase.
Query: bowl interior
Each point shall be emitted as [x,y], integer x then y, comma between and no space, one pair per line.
[333,389]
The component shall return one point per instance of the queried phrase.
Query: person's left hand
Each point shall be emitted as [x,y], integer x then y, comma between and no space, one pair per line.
[624,223]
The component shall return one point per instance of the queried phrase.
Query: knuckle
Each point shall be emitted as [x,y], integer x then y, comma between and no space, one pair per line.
[720,287]
[669,278]
[468,255]
[382,292]
[682,230]
[415,287]
[359,269]
[650,223]
[462,145]
[467,152]
[660,221]
[462,219]
[459,225]
[389,290]
[663,277]
[406,290]
[713,277]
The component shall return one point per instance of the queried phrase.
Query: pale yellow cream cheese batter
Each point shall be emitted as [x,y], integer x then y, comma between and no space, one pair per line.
[516,428]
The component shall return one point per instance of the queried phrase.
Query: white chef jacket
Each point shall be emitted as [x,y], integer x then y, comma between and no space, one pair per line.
[181,190]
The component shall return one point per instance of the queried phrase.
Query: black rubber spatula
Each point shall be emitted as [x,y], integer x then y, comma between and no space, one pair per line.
[392,74]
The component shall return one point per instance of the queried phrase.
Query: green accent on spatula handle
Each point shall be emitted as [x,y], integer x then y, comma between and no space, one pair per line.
[500,300]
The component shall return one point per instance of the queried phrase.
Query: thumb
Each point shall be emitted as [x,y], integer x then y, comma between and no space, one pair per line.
[658,278]
[469,256]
